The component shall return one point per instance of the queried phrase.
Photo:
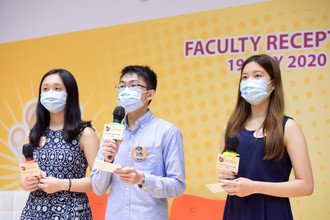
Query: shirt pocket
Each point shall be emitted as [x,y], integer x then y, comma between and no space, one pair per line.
[150,163]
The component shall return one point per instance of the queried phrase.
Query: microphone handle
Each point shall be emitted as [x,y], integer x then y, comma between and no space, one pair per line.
[110,157]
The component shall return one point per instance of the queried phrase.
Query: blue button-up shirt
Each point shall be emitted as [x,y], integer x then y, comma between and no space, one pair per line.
[163,168]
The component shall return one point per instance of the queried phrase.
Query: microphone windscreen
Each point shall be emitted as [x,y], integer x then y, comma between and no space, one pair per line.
[232,142]
[27,151]
[118,114]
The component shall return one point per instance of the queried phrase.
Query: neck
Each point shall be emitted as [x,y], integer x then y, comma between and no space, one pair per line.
[132,117]
[259,111]
[56,120]
[258,115]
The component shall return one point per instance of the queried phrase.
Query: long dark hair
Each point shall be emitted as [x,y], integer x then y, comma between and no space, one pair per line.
[73,124]
[272,125]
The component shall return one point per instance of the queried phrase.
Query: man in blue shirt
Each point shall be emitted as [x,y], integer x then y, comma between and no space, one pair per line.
[151,155]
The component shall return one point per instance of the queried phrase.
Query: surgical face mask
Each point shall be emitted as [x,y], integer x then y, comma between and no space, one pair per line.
[53,101]
[254,91]
[130,99]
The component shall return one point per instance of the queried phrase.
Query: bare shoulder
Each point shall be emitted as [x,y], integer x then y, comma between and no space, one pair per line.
[88,135]
[293,135]
[88,131]
[89,139]
[292,126]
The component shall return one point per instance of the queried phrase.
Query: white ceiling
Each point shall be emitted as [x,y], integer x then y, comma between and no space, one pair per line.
[26,19]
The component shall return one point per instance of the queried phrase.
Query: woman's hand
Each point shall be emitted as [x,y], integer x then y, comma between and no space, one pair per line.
[30,183]
[51,184]
[238,187]
[226,175]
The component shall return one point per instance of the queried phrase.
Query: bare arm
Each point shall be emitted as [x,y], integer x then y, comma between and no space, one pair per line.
[89,143]
[303,184]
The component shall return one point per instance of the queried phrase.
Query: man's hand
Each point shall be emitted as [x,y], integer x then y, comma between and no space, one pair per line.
[130,175]
[109,150]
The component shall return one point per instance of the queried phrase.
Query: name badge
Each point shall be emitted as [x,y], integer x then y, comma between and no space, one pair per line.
[139,153]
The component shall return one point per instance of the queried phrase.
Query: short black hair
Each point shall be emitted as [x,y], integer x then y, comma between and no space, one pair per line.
[148,75]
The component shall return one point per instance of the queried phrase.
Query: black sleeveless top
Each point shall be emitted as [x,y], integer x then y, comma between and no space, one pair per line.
[254,167]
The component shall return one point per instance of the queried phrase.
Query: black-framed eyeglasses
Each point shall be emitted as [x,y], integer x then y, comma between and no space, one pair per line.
[121,87]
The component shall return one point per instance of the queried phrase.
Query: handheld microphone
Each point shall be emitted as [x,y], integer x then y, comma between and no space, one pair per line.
[30,167]
[118,116]
[232,143]
[229,160]
[112,131]
[27,151]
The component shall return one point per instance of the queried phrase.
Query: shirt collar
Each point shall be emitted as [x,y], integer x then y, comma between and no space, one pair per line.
[142,121]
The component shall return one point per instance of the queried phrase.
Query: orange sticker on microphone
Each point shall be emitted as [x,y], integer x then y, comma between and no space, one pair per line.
[139,153]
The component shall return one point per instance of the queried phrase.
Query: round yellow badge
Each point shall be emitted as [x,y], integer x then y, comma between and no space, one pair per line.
[139,153]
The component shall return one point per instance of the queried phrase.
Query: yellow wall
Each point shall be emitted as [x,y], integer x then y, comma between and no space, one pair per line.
[196,93]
